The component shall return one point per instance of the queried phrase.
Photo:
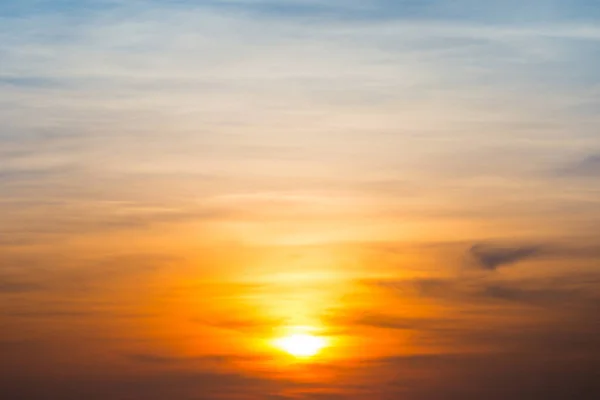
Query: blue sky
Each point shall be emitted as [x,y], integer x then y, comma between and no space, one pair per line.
[433,95]
[507,11]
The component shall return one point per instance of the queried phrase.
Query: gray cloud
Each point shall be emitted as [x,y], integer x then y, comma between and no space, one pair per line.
[490,257]
[539,296]
[587,167]
[560,292]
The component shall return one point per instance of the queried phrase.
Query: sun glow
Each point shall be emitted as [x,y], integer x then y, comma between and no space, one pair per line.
[301,344]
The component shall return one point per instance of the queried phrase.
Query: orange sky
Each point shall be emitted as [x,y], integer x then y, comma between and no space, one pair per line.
[413,187]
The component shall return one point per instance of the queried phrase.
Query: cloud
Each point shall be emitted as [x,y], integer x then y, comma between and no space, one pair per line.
[536,376]
[588,167]
[140,115]
[570,290]
[249,325]
[218,362]
[184,385]
[145,88]
[491,257]
[55,273]
[15,287]
[346,321]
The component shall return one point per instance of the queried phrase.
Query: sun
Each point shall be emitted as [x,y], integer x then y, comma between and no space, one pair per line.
[301,345]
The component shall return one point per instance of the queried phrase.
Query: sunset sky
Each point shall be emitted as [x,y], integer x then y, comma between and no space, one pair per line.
[299,199]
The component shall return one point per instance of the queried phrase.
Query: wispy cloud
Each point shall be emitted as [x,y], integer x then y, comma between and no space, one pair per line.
[143,139]
[240,95]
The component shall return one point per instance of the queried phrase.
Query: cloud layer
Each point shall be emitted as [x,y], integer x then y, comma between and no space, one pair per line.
[180,180]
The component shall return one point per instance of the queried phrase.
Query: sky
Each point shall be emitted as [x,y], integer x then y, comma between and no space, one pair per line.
[183,184]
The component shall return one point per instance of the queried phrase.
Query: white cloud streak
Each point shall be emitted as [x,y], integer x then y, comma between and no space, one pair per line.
[149,88]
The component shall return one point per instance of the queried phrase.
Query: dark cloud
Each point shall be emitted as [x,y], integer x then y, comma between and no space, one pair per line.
[436,377]
[491,376]
[205,362]
[388,320]
[563,291]
[490,256]
[78,315]
[550,351]
[525,339]
[154,359]
[540,296]
[183,385]
[533,360]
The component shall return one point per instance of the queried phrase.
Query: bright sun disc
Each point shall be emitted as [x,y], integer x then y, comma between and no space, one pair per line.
[301,345]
